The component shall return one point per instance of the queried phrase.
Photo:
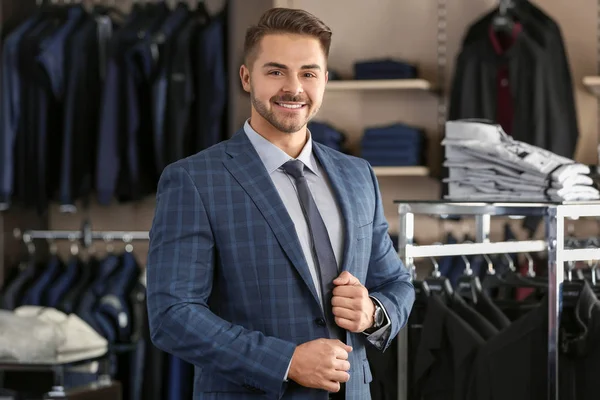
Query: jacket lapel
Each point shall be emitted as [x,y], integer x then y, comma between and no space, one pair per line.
[341,182]
[249,171]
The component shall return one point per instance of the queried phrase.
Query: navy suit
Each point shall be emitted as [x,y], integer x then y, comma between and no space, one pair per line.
[229,289]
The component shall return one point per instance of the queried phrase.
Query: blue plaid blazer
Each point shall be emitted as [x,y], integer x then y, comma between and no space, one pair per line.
[228,287]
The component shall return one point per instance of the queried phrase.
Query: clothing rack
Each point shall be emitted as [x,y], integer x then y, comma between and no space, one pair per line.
[85,235]
[554,243]
[105,386]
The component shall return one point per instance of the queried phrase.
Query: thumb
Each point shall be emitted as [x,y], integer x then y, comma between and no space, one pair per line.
[347,348]
[345,278]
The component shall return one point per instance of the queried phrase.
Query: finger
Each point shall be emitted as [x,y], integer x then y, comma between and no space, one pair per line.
[346,278]
[343,345]
[340,353]
[342,365]
[344,302]
[346,313]
[350,292]
[331,386]
[346,324]
[338,376]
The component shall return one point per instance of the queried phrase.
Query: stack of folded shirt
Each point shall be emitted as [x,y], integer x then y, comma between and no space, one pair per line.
[486,164]
[393,145]
[326,134]
[384,69]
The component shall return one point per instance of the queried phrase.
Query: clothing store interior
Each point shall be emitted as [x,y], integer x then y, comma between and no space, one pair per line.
[480,119]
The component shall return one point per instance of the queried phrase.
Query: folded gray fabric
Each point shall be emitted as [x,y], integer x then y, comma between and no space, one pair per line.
[486,164]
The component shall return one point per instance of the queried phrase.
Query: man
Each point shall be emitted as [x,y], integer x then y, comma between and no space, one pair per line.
[270,266]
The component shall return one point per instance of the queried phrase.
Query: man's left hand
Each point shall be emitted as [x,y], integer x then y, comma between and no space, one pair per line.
[352,307]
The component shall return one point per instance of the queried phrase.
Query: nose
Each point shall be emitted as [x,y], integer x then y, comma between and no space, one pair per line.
[293,85]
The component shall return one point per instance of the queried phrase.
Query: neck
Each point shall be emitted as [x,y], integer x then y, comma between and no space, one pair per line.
[291,143]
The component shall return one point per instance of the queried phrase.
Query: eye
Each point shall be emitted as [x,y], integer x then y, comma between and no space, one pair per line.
[277,73]
[309,75]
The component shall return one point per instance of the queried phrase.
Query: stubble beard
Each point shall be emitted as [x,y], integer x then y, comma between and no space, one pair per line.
[286,125]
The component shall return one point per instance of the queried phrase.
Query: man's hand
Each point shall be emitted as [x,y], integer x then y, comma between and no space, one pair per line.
[352,306]
[321,364]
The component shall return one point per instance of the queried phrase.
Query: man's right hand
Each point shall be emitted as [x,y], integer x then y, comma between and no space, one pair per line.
[321,364]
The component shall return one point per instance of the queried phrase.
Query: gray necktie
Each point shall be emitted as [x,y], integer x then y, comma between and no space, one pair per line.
[321,245]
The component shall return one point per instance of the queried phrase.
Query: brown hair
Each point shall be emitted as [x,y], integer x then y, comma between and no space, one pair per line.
[286,20]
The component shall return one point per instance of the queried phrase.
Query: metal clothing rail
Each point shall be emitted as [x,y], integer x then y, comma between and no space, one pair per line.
[125,236]
[554,215]
[86,235]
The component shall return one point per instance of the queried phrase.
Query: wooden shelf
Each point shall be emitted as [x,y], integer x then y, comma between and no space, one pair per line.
[401,171]
[379,84]
[592,83]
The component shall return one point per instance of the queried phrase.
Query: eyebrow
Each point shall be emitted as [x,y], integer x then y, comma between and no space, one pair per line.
[283,66]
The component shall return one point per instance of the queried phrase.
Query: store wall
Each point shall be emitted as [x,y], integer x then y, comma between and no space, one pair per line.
[405,29]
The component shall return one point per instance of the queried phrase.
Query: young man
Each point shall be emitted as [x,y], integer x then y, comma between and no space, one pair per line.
[270,266]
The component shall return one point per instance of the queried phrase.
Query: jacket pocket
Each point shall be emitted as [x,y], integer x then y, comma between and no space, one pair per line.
[364,230]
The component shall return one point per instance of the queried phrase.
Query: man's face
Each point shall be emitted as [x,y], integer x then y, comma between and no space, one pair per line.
[287,80]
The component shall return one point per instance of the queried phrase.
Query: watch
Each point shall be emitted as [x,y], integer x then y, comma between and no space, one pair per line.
[378,316]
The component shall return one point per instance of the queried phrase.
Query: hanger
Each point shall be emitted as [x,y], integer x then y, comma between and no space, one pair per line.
[422,291]
[437,283]
[571,288]
[503,20]
[468,285]
[108,244]
[52,246]
[128,243]
[74,246]
[512,278]
[201,12]
[29,245]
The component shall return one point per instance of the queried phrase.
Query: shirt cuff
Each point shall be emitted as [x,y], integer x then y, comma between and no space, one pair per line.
[381,335]
[285,378]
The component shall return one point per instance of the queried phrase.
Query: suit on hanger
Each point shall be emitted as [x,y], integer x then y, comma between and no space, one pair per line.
[229,287]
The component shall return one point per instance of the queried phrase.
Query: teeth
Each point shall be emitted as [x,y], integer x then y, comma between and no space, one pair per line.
[290,105]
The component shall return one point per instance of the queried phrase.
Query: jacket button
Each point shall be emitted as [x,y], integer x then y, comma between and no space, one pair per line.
[320,321]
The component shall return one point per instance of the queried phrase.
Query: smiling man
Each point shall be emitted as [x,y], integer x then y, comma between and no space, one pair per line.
[270,267]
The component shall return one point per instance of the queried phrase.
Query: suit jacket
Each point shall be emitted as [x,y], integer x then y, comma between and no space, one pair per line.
[229,289]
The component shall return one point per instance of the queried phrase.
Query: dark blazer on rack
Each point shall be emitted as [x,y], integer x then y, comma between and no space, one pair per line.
[229,289]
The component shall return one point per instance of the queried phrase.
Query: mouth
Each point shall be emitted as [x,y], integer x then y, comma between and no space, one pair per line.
[290,106]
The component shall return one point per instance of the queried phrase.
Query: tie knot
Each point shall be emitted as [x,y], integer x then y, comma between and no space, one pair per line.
[295,168]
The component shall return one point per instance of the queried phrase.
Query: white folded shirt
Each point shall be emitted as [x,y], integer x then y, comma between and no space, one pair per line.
[80,341]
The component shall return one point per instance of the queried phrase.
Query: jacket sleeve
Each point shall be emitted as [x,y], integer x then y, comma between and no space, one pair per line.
[388,279]
[181,265]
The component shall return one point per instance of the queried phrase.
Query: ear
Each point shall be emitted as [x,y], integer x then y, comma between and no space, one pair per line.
[326,77]
[245,77]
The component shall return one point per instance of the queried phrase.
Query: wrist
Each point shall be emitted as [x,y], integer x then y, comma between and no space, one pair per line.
[292,368]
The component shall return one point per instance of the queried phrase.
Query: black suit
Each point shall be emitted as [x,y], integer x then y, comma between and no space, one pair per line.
[445,354]
[513,365]
[540,80]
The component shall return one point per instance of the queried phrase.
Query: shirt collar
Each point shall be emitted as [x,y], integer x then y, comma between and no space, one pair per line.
[273,157]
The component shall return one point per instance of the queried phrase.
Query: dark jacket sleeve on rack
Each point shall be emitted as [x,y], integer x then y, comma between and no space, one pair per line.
[181,96]
[109,149]
[211,84]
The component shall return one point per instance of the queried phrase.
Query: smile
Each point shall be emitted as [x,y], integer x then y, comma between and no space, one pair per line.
[291,106]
